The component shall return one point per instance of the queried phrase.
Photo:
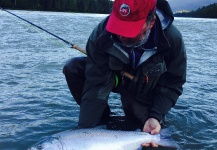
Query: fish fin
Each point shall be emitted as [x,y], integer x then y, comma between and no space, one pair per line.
[168,143]
[166,140]
[138,130]
[166,133]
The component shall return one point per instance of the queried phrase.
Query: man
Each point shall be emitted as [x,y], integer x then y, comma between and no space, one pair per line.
[137,38]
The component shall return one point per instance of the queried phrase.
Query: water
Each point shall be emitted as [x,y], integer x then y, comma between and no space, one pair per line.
[35,101]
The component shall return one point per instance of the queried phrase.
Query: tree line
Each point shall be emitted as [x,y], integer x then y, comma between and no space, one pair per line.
[209,11]
[87,6]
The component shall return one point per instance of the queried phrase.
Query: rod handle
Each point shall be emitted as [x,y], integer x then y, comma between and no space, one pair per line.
[129,76]
[79,48]
[124,73]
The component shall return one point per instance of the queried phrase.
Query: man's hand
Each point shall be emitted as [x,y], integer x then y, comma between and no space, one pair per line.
[153,126]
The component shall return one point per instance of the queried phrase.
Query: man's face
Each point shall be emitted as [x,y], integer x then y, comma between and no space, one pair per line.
[140,39]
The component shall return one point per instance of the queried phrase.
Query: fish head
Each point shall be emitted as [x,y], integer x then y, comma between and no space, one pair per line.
[48,144]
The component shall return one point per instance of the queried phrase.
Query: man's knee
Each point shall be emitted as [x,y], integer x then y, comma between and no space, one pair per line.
[73,65]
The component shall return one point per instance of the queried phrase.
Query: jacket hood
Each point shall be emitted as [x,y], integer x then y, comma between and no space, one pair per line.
[164,13]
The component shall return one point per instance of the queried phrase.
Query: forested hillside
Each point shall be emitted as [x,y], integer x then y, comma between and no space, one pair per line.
[209,11]
[89,6]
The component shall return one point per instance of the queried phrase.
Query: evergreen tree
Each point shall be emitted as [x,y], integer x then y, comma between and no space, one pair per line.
[89,6]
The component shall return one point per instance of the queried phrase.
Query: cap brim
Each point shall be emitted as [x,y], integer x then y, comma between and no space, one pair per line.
[124,28]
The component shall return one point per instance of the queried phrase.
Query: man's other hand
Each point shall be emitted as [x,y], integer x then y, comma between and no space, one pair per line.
[152,126]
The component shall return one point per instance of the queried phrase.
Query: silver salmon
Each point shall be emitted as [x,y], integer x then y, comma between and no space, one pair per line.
[102,139]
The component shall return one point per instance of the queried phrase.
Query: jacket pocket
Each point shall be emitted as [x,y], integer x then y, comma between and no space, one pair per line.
[149,78]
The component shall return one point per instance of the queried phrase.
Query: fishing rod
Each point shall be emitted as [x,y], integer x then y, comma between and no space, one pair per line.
[123,73]
[72,45]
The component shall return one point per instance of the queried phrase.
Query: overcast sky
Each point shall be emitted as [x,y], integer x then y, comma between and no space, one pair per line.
[177,5]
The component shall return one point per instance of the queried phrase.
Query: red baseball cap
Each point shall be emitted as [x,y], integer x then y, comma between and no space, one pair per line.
[129,16]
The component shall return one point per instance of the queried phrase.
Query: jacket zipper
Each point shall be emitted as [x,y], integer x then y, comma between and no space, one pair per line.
[133,58]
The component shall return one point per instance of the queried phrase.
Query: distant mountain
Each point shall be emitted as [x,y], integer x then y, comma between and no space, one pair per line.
[178,5]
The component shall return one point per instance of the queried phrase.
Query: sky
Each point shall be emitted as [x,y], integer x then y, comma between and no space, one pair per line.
[177,5]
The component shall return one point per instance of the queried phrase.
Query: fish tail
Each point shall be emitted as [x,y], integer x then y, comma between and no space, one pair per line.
[168,143]
[166,140]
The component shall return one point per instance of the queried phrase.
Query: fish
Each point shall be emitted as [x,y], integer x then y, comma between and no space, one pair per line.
[103,139]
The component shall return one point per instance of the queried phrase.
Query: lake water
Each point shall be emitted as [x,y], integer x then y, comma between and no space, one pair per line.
[34,98]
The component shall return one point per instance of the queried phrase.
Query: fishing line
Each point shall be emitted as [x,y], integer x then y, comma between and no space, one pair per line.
[67,42]
[123,73]
[30,27]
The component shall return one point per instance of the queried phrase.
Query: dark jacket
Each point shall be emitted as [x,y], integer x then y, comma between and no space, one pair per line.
[161,71]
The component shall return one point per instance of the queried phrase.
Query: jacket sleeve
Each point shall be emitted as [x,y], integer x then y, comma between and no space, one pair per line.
[98,82]
[170,85]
